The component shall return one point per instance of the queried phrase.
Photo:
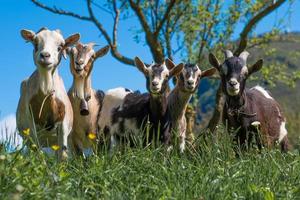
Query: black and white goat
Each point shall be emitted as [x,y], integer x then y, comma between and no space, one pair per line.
[125,112]
[247,109]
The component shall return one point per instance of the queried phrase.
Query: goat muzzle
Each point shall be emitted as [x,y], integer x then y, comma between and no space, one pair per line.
[84,110]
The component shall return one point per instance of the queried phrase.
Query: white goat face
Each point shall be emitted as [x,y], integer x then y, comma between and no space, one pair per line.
[158,77]
[49,46]
[190,75]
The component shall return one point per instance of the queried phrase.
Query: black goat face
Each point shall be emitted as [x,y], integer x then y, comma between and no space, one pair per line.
[234,71]
[234,75]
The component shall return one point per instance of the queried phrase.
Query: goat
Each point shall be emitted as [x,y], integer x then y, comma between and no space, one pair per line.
[86,102]
[244,108]
[44,105]
[135,111]
[186,85]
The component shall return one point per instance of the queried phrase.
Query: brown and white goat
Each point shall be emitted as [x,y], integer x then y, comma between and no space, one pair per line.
[245,109]
[44,105]
[186,85]
[86,102]
[133,113]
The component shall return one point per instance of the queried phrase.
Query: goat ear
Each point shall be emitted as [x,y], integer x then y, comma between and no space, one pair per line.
[71,40]
[208,72]
[214,61]
[169,63]
[101,52]
[176,70]
[28,35]
[256,67]
[141,66]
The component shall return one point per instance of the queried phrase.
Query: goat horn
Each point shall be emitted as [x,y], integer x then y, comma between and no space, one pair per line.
[244,55]
[42,29]
[92,44]
[228,54]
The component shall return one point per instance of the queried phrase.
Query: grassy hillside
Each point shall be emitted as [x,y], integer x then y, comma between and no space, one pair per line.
[209,170]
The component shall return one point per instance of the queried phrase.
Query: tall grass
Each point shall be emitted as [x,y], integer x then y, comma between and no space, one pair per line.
[208,169]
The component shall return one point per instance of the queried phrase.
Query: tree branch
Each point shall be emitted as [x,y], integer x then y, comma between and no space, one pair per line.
[155,46]
[59,11]
[165,17]
[252,22]
[97,23]
[168,40]
[116,22]
[101,8]
[170,30]
[137,9]
[114,50]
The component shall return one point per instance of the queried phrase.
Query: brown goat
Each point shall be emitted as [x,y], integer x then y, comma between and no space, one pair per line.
[86,102]
[249,110]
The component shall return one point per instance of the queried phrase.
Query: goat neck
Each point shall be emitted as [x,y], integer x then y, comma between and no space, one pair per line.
[177,102]
[46,80]
[158,105]
[236,102]
[82,86]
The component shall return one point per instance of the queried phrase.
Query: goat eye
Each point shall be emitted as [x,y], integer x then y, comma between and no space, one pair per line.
[59,48]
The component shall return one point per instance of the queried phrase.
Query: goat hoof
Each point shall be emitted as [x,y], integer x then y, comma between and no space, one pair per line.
[84,108]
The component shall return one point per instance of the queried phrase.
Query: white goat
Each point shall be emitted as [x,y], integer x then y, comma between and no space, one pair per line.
[44,106]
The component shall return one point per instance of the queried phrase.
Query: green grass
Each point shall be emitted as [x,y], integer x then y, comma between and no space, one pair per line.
[210,170]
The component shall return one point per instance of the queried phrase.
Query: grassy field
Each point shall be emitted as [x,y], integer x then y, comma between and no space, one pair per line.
[209,170]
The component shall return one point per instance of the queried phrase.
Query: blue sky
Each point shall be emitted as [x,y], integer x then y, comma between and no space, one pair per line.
[16,55]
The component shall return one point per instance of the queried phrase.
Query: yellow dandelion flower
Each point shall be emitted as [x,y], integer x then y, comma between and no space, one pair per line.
[26,131]
[33,146]
[55,147]
[92,136]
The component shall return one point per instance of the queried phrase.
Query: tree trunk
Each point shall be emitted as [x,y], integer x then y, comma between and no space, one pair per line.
[218,110]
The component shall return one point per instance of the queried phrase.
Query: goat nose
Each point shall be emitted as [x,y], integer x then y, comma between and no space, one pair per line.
[45,54]
[154,83]
[190,82]
[233,82]
[79,62]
